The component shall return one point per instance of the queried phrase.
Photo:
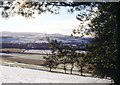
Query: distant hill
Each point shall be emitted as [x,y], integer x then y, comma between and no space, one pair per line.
[29,37]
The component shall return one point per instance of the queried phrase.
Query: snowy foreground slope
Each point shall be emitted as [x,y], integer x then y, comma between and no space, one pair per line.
[22,75]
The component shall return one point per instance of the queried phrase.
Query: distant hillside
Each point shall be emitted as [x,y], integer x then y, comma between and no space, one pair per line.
[29,37]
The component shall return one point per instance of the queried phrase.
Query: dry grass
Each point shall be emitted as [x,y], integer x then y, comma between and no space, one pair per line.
[12,50]
[26,61]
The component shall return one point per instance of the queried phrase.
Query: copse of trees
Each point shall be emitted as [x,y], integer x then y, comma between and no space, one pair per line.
[64,54]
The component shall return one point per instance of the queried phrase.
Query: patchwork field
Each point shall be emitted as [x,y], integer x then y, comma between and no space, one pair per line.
[25,58]
[25,51]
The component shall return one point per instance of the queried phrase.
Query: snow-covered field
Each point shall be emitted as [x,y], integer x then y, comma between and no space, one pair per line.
[22,75]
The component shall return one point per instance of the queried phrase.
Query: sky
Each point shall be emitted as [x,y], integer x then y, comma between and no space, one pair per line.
[62,23]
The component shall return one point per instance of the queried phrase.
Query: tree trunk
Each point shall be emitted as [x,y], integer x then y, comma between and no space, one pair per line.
[65,69]
[81,70]
[50,68]
[71,69]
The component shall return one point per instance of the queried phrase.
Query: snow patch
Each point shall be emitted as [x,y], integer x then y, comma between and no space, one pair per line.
[22,75]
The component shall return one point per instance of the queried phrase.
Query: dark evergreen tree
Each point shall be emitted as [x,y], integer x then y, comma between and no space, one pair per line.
[103,50]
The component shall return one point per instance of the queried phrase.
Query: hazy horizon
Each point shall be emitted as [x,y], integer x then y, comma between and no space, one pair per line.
[62,23]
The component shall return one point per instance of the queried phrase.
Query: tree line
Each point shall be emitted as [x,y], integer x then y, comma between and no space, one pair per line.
[64,54]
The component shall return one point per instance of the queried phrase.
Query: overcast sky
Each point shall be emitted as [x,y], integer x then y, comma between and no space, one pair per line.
[62,23]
